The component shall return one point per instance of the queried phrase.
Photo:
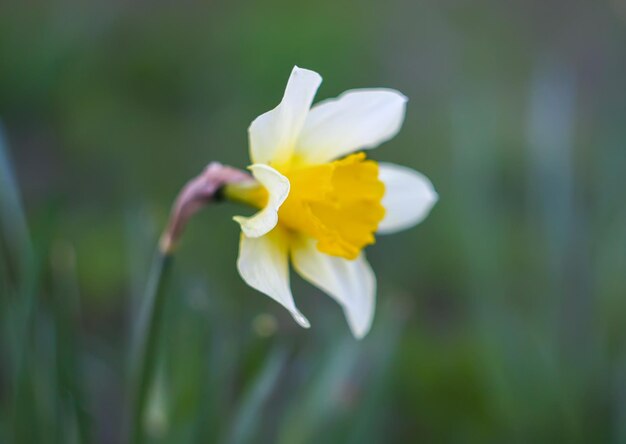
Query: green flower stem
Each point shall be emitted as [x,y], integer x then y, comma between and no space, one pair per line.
[20,278]
[195,195]
[146,341]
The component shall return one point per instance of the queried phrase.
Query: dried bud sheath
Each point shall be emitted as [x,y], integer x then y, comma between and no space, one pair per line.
[195,195]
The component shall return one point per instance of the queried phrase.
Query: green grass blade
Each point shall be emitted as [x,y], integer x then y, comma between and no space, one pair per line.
[249,414]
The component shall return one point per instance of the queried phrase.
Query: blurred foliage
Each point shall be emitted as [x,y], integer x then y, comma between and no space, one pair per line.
[500,318]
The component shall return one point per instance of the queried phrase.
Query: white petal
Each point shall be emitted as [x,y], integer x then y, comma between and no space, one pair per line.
[273,134]
[263,264]
[277,187]
[357,119]
[351,283]
[408,198]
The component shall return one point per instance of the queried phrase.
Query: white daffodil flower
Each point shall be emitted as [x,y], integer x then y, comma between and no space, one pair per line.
[320,202]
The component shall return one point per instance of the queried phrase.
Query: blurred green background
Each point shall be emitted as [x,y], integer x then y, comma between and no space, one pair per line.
[501,318]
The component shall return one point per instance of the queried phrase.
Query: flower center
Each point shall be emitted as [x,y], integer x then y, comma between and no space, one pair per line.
[338,203]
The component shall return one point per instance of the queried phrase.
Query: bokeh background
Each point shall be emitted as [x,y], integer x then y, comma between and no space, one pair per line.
[501,318]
